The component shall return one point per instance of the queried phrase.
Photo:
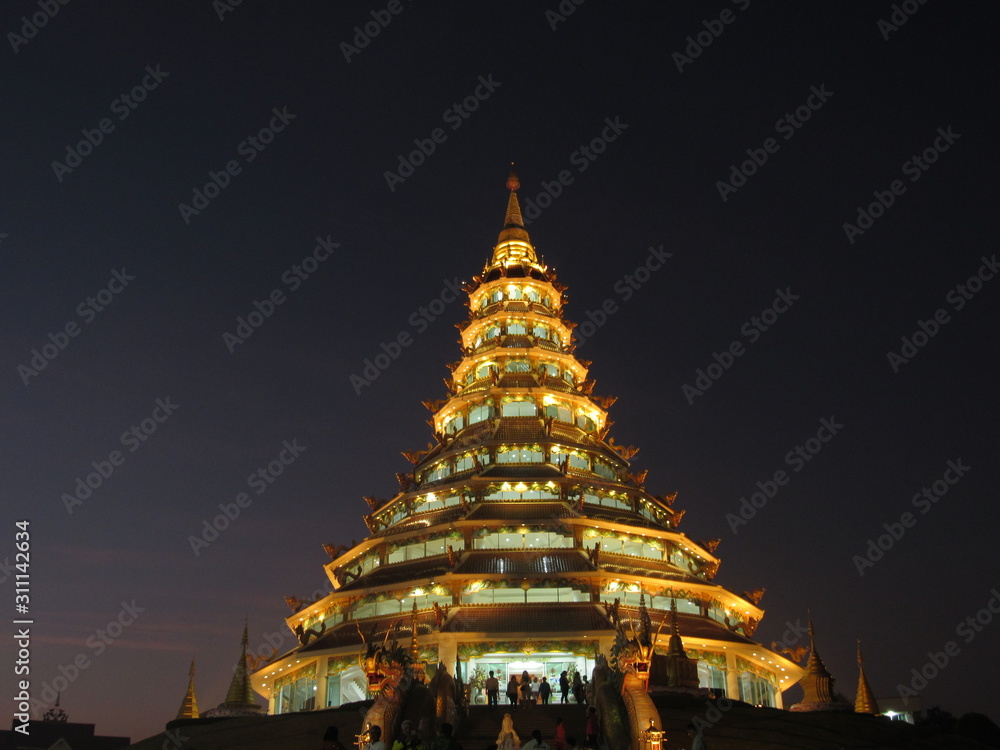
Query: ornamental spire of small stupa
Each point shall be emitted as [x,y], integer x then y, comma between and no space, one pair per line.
[817,683]
[675,645]
[189,706]
[240,691]
[815,665]
[865,702]
[513,244]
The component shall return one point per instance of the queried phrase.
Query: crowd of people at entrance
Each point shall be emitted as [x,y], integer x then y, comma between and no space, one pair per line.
[530,690]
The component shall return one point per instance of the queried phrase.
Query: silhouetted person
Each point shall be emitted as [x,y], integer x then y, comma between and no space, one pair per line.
[593,728]
[536,742]
[444,739]
[375,738]
[330,739]
[512,691]
[559,736]
[564,687]
[408,739]
[492,690]
[544,690]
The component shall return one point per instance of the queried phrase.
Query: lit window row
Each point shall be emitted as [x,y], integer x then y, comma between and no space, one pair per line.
[521,454]
[512,291]
[514,327]
[520,406]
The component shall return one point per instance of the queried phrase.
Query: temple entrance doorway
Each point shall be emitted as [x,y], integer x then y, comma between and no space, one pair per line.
[538,665]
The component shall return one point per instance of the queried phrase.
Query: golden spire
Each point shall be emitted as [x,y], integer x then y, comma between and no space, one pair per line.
[189,706]
[675,644]
[240,690]
[817,683]
[815,665]
[513,244]
[865,702]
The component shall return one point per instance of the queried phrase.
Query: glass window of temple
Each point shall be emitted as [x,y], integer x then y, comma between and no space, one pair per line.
[479,413]
[346,686]
[519,455]
[513,292]
[540,331]
[519,409]
[756,690]
[712,677]
[684,605]
[516,328]
[601,468]
[440,471]
[492,332]
[547,540]
[531,293]
[518,365]
[454,424]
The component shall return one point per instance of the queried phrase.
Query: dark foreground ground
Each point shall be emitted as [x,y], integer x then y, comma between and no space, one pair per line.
[741,727]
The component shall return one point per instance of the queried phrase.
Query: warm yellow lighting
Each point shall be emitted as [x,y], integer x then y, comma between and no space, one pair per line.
[520,487]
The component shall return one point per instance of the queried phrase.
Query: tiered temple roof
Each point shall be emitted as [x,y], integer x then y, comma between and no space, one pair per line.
[522,518]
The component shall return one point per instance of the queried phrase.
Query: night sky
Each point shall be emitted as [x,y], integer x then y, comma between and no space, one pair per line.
[117,301]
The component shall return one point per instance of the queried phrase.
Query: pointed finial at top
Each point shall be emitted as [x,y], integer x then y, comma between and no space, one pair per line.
[513,184]
[865,701]
[513,244]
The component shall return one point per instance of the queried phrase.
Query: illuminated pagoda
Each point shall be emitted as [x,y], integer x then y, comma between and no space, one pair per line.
[522,539]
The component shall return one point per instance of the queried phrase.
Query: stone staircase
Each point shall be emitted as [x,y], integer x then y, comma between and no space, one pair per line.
[482,725]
